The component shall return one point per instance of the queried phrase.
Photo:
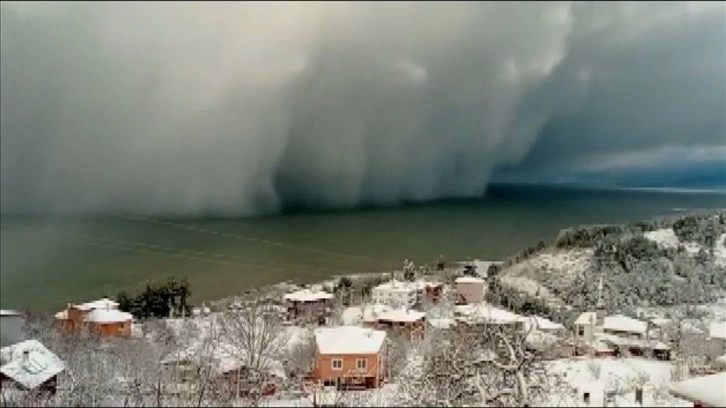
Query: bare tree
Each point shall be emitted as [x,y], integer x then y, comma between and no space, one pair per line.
[489,366]
[127,372]
[254,334]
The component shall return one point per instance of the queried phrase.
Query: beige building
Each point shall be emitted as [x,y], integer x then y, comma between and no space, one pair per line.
[470,289]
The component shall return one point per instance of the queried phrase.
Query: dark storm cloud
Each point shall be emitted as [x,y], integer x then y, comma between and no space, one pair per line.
[240,108]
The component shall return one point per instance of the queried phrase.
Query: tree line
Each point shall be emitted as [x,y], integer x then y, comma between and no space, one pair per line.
[159,300]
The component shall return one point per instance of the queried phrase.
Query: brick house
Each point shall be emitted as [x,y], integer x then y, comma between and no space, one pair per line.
[101,317]
[349,357]
[308,305]
[433,291]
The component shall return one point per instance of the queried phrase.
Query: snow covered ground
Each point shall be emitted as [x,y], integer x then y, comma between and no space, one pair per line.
[667,239]
[383,397]
[598,376]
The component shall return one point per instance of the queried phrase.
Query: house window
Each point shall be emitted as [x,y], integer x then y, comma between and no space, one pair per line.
[361,364]
[337,364]
[580,330]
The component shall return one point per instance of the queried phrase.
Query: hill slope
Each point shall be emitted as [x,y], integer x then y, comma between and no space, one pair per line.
[661,262]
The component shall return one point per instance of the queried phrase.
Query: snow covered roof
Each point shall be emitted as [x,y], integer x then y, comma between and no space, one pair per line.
[542,323]
[586,318]
[624,324]
[469,279]
[371,312]
[717,330]
[108,316]
[104,303]
[29,363]
[708,390]
[629,342]
[367,313]
[489,313]
[401,315]
[307,295]
[349,340]
[6,312]
[442,323]
[540,340]
[660,321]
[399,286]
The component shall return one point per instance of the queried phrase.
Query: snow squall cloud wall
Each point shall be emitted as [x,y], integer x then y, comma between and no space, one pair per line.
[241,108]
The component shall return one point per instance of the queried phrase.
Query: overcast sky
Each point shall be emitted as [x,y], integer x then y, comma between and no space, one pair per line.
[237,108]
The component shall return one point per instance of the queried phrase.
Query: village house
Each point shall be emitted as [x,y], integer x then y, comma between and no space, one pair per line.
[470,290]
[101,317]
[309,305]
[396,294]
[12,324]
[589,324]
[477,317]
[183,367]
[706,391]
[29,366]
[405,322]
[717,340]
[546,338]
[349,357]
[613,335]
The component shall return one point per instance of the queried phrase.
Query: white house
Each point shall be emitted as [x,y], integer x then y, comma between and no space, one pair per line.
[11,327]
[590,324]
[717,340]
[398,293]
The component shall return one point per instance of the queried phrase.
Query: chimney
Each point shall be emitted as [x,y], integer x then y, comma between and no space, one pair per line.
[26,354]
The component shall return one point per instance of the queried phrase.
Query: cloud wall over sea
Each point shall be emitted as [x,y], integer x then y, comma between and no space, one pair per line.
[241,108]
